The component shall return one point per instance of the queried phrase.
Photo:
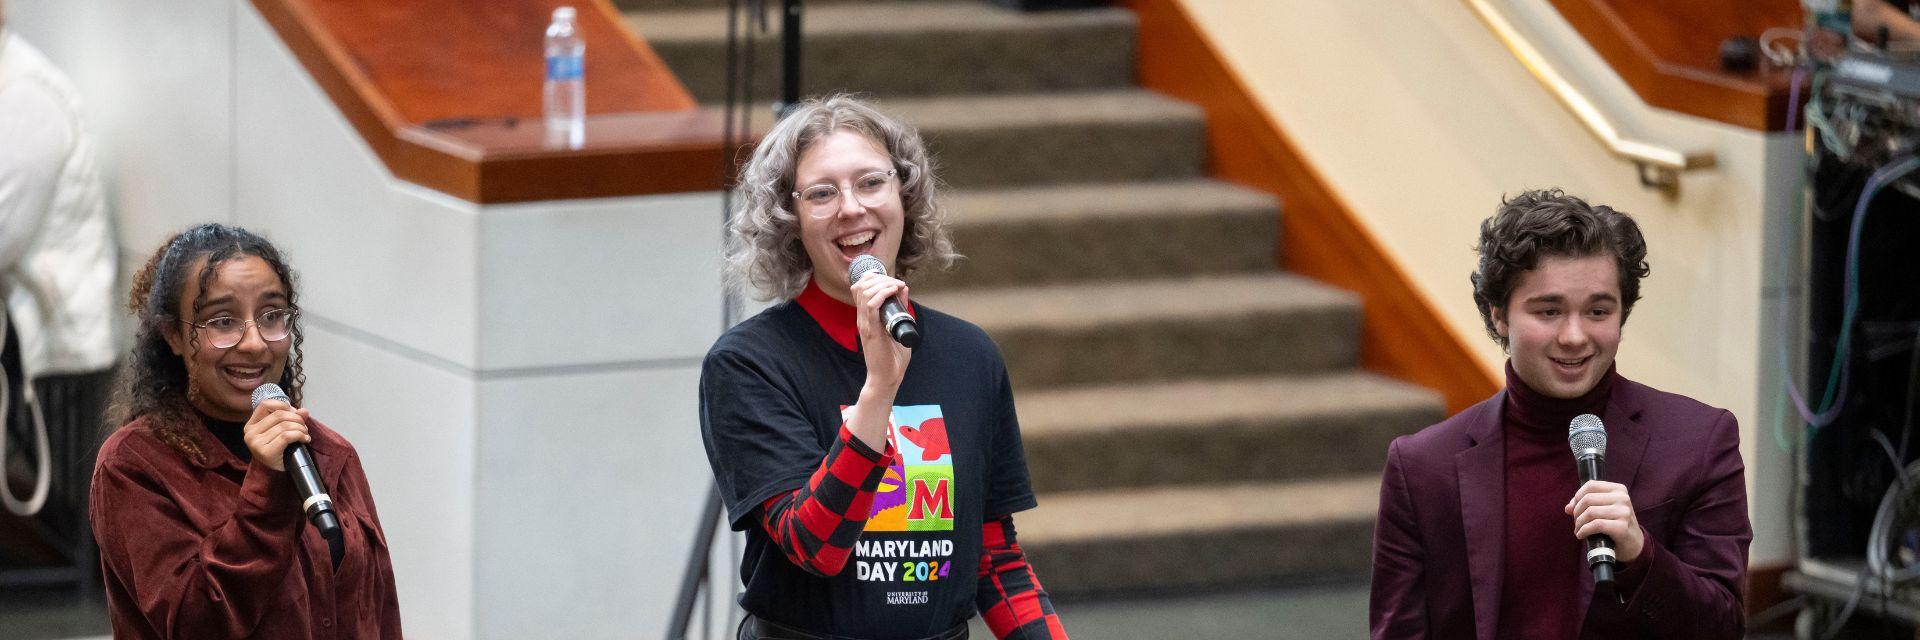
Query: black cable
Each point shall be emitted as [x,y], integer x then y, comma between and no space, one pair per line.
[1886,446]
[730,61]
[758,18]
[1913,390]
[728,303]
[1879,539]
[1846,612]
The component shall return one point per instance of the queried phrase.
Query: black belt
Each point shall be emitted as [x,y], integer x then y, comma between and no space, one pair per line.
[753,628]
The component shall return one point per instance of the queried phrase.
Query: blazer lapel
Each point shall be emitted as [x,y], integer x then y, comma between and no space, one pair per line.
[1481,470]
[1626,433]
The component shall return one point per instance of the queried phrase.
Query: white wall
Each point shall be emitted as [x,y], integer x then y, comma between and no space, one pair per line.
[164,133]
[1422,120]
[519,379]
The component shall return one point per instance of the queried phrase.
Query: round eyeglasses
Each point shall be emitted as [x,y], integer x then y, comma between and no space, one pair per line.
[226,331]
[823,200]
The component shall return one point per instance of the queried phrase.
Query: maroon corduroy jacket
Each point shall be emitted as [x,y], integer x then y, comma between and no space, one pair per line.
[219,548]
[1438,550]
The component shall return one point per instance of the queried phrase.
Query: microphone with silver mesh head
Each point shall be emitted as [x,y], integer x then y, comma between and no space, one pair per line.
[1588,437]
[314,500]
[900,324]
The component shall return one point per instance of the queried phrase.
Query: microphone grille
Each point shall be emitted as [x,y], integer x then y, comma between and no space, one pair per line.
[1587,432]
[862,266]
[268,391]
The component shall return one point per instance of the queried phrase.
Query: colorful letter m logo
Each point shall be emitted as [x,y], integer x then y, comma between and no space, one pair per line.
[936,498]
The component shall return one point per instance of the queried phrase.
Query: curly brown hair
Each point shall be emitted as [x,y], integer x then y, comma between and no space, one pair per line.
[153,385]
[1549,223]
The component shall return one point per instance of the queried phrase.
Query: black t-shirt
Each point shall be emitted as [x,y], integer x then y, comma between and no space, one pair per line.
[771,394]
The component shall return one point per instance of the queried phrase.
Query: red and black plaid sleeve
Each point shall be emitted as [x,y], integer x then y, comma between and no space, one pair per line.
[1010,598]
[816,525]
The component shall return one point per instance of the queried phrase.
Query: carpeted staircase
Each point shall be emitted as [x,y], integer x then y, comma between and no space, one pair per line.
[1194,417]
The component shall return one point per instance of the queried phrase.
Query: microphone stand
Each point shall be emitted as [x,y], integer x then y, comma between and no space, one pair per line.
[790,12]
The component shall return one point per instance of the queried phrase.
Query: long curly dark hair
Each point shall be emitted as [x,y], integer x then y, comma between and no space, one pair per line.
[1549,223]
[153,385]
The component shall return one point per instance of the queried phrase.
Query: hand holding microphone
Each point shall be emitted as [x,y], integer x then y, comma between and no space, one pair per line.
[277,436]
[272,429]
[877,301]
[1602,511]
[892,307]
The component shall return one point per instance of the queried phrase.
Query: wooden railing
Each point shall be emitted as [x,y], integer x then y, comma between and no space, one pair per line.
[1660,165]
[1669,52]
[447,93]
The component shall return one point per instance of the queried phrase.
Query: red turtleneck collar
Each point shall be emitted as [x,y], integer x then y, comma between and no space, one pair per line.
[1531,413]
[835,317]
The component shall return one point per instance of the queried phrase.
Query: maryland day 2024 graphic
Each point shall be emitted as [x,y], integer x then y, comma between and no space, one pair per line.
[915,495]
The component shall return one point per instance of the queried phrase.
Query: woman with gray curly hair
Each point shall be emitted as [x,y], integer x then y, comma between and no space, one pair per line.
[877,497]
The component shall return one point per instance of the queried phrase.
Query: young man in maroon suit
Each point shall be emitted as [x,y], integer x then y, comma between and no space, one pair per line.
[1483,516]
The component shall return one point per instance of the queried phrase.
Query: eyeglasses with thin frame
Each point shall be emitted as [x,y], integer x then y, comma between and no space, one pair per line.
[823,200]
[223,332]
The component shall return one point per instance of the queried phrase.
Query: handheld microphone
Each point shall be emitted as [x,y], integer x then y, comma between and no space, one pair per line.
[900,324]
[1588,437]
[314,500]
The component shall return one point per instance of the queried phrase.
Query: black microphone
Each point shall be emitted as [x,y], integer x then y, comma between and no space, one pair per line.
[306,475]
[1588,437]
[899,323]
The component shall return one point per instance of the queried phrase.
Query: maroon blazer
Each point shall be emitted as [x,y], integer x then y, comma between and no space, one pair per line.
[218,548]
[1437,551]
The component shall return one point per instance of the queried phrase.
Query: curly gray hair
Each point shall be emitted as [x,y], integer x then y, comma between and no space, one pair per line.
[763,251]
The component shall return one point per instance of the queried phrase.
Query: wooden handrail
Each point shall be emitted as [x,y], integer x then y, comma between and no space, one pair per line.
[1660,166]
[447,94]
[1669,52]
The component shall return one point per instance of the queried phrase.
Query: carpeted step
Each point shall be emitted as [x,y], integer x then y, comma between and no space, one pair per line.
[1023,140]
[1162,540]
[1173,329]
[1107,231]
[907,49]
[1218,430]
[1005,141]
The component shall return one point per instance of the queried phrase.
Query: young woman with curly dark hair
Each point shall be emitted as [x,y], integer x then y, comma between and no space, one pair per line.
[200,528]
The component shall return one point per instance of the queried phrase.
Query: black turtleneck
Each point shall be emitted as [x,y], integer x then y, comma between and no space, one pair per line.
[232,435]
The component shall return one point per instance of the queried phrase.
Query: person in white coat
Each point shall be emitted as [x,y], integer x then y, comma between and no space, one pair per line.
[57,270]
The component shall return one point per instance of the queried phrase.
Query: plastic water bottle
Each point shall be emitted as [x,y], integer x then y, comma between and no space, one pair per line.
[566,89]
